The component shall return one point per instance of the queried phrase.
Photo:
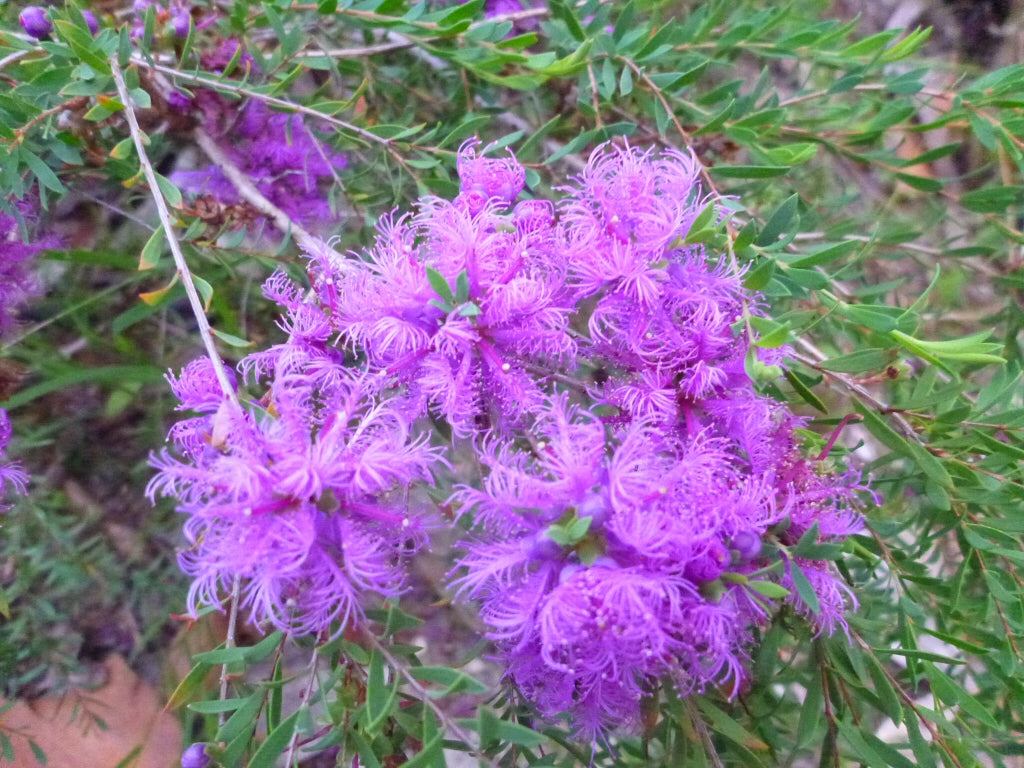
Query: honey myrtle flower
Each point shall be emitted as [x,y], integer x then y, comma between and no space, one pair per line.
[659,305]
[603,554]
[616,553]
[300,496]
[482,179]
[456,306]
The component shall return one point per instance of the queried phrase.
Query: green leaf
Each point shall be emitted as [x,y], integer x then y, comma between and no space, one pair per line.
[190,685]
[779,222]
[928,463]
[887,696]
[495,730]
[123,149]
[243,720]
[170,192]
[230,339]
[276,695]
[440,285]
[37,752]
[804,590]
[907,46]
[455,680]
[869,749]
[722,723]
[953,694]
[969,349]
[204,289]
[275,744]
[769,589]
[858,362]
[626,82]
[920,183]
[257,653]
[564,66]
[394,619]
[748,171]
[245,654]
[770,334]
[803,390]
[758,277]
[462,287]
[992,199]
[151,251]
[869,46]
[703,222]
[380,697]
[216,706]
[83,44]
[42,171]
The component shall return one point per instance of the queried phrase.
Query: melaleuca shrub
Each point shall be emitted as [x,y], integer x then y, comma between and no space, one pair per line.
[640,501]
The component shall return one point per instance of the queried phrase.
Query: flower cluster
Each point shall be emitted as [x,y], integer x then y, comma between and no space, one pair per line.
[460,302]
[645,537]
[643,508]
[301,495]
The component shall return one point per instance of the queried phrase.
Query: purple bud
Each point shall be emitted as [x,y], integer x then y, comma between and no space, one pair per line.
[568,572]
[180,23]
[541,547]
[195,757]
[91,21]
[594,506]
[710,565]
[746,545]
[34,20]
[179,101]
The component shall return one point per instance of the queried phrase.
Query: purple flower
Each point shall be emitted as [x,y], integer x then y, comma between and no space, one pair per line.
[485,179]
[298,495]
[33,19]
[282,156]
[457,306]
[17,281]
[598,562]
[12,476]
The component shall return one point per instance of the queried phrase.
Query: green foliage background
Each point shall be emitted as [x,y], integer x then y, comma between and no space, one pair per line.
[878,197]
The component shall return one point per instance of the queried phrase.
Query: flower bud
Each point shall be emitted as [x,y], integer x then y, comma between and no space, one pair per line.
[195,757]
[709,565]
[745,546]
[180,23]
[91,21]
[34,20]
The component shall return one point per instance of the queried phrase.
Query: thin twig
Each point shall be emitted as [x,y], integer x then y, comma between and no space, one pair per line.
[229,640]
[16,56]
[305,699]
[882,408]
[194,301]
[165,219]
[229,87]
